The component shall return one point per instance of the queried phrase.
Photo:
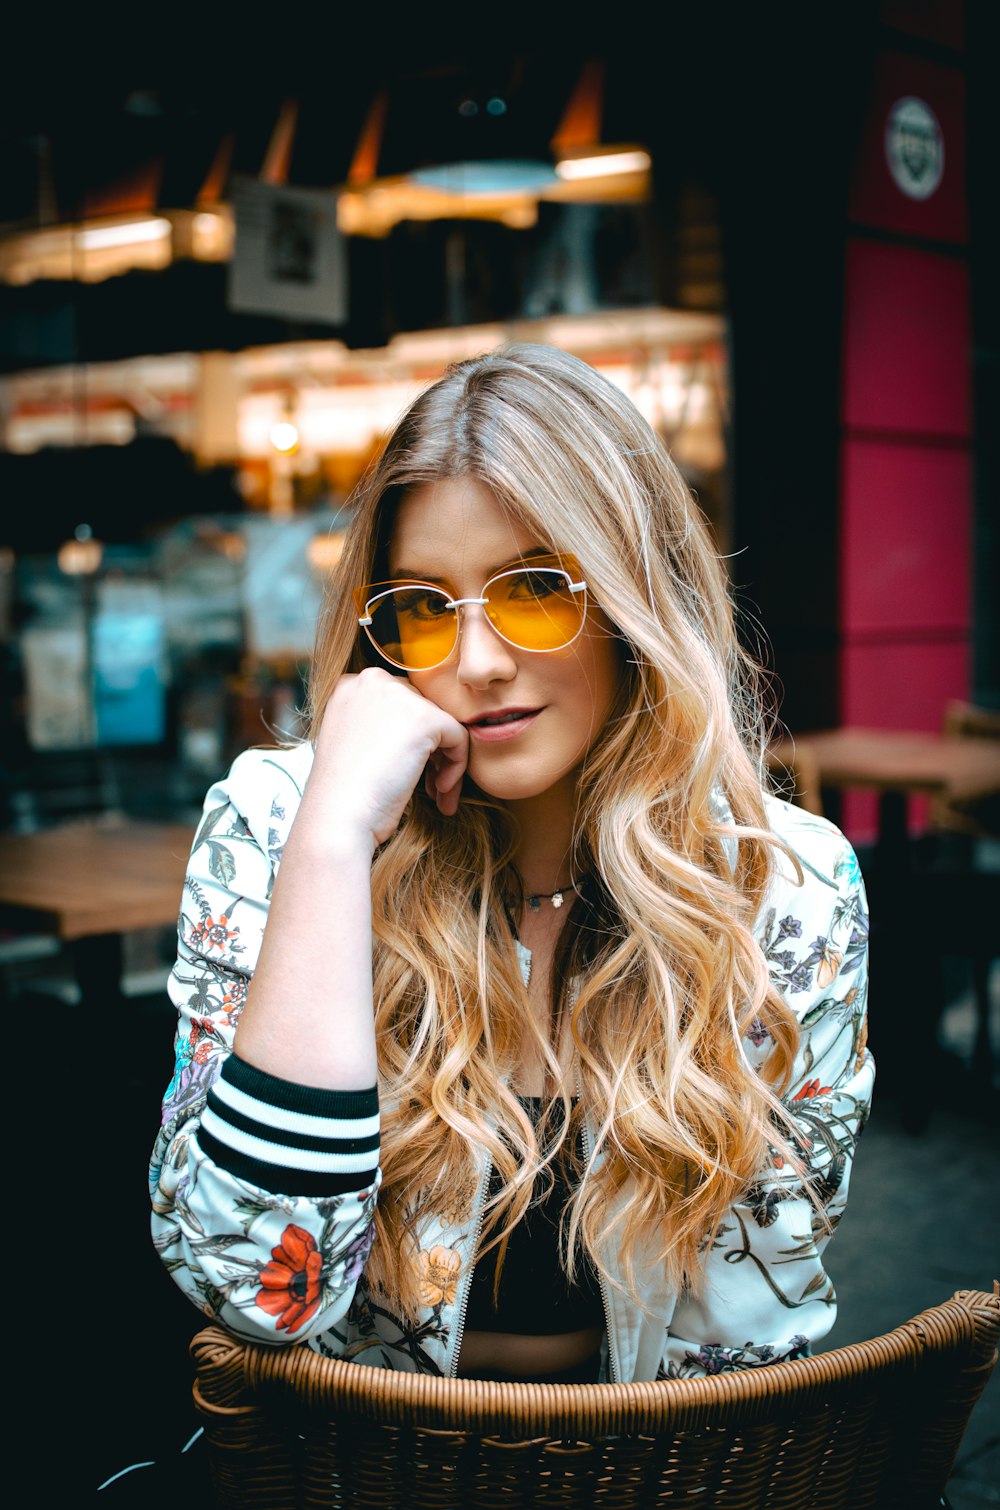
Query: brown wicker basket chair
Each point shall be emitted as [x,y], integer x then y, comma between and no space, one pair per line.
[874,1424]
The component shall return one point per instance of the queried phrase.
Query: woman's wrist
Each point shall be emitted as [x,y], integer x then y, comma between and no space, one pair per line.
[328,834]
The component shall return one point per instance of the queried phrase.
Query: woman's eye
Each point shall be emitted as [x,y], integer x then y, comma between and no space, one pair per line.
[418,603]
[534,584]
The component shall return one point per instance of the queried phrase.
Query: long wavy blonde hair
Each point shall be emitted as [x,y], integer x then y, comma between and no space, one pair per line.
[658,971]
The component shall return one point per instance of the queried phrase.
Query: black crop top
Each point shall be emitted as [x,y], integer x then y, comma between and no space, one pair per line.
[535,1298]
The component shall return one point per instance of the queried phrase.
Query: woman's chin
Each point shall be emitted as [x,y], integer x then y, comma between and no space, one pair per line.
[514,785]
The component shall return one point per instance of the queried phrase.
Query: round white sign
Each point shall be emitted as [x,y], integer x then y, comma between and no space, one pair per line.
[914,147]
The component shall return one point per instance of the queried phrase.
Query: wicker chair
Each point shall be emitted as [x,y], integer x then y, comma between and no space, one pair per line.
[874,1424]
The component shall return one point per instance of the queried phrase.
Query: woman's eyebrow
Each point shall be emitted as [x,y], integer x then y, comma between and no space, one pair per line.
[402,574]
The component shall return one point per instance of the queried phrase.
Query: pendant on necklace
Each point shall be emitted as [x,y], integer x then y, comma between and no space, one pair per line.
[536,899]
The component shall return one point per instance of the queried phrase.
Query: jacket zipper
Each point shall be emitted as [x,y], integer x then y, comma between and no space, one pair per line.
[588,1149]
[467,1279]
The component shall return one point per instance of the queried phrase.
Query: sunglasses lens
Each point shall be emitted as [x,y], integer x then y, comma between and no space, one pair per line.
[414,627]
[535,608]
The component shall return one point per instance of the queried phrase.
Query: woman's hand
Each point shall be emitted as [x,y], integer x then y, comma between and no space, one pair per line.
[377,737]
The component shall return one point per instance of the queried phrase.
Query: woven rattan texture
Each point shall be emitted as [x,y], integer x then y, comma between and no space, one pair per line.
[876,1424]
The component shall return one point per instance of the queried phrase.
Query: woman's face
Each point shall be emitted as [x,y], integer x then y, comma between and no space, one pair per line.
[454,532]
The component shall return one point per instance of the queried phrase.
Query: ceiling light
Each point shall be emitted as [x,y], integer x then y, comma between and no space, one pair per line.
[284,436]
[602,165]
[125,233]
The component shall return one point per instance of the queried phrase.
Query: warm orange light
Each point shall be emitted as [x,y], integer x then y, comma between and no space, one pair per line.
[325,551]
[284,436]
[81,556]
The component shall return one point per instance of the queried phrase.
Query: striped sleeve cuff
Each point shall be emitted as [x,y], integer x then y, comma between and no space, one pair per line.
[290,1139]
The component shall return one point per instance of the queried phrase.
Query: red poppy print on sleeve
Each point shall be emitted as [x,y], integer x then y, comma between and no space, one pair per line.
[291,1281]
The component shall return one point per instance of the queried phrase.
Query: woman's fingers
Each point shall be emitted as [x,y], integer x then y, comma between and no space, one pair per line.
[378,738]
[443,776]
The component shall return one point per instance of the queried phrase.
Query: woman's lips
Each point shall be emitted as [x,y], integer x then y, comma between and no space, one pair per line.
[511,724]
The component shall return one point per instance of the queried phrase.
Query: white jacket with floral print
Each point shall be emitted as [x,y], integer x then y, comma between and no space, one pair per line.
[263,1192]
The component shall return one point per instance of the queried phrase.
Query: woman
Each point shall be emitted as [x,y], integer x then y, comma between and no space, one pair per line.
[600,1120]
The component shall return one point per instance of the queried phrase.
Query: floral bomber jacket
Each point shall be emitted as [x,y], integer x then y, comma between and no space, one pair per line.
[263,1192]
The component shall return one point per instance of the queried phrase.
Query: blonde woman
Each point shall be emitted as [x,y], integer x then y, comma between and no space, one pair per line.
[522,1033]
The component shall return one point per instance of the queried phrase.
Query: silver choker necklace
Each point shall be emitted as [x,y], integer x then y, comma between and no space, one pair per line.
[557,897]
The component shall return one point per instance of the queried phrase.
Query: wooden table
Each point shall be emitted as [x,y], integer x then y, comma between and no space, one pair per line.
[896,764]
[88,883]
[891,760]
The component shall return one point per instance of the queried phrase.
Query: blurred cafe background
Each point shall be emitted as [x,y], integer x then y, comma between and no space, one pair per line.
[223,276]
[218,288]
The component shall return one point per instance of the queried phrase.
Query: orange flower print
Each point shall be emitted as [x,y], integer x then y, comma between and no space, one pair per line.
[214,935]
[235,997]
[291,1281]
[829,964]
[810,1089]
[437,1275]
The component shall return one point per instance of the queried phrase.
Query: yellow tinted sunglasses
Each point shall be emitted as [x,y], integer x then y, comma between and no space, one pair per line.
[538,605]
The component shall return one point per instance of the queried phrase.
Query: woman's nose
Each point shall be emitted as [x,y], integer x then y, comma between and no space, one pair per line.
[483,657]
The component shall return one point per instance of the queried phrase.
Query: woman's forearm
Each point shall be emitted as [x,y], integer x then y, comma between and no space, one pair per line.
[308,1016]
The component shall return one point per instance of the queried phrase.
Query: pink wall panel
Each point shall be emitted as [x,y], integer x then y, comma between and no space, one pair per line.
[906,341]
[902,686]
[905,553]
[877,199]
[859,817]
[905,548]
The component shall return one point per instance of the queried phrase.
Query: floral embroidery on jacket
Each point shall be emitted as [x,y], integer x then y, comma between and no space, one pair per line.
[437,1272]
